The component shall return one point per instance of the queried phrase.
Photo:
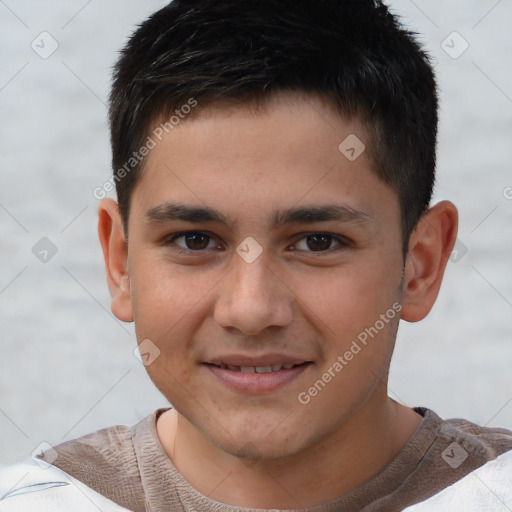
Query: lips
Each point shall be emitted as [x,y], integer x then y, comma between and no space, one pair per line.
[256,375]
[256,369]
[254,361]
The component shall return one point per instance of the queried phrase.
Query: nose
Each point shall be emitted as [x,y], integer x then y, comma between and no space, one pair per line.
[252,298]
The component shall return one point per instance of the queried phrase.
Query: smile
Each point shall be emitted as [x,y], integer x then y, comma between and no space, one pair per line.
[256,369]
[255,380]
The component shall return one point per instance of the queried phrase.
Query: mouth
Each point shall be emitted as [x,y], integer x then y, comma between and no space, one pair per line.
[257,369]
[258,378]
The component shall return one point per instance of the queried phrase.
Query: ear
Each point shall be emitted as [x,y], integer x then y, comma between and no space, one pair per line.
[115,253]
[430,246]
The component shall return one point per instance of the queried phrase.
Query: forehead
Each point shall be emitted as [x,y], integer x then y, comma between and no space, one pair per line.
[292,149]
[281,122]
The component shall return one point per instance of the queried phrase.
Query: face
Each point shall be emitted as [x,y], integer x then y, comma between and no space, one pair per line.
[266,267]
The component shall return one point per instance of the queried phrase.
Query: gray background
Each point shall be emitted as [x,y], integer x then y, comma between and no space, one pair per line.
[67,366]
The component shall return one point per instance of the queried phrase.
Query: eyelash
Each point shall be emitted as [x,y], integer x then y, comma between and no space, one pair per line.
[342,242]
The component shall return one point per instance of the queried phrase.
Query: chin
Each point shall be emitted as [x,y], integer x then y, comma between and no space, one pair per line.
[253,433]
[252,444]
[254,450]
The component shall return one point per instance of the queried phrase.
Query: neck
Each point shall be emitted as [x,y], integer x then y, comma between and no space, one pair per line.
[358,450]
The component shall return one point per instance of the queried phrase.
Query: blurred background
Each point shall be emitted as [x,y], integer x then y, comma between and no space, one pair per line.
[67,366]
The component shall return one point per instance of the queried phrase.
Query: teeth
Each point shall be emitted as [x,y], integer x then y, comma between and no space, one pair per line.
[263,369]
[256,369]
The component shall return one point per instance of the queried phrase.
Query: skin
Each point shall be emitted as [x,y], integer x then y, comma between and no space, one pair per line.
[267,449]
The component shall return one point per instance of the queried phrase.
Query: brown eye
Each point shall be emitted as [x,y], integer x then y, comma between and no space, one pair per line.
[192,241]
[321,242]
[318,242]
[196,241]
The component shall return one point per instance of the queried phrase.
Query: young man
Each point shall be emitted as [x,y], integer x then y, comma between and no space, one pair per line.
[274,164]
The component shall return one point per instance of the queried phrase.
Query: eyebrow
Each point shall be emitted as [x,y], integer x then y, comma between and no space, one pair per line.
[167,212]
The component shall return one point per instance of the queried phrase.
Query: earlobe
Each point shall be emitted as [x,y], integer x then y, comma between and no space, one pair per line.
[430,246]
[115,254]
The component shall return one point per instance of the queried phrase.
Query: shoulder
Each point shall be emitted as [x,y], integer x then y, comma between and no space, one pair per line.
[487,488]
[486,442]
[35,486]
[467,467]
[106,448]
[479,444]
[104,463]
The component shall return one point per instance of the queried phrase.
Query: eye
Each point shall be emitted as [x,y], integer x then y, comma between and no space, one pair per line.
[320,242]
[198,241]
[192,241]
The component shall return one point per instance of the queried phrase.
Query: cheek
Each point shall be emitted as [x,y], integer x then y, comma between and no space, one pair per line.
[347,299]
[166,299]
[169,306]
[165,308]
